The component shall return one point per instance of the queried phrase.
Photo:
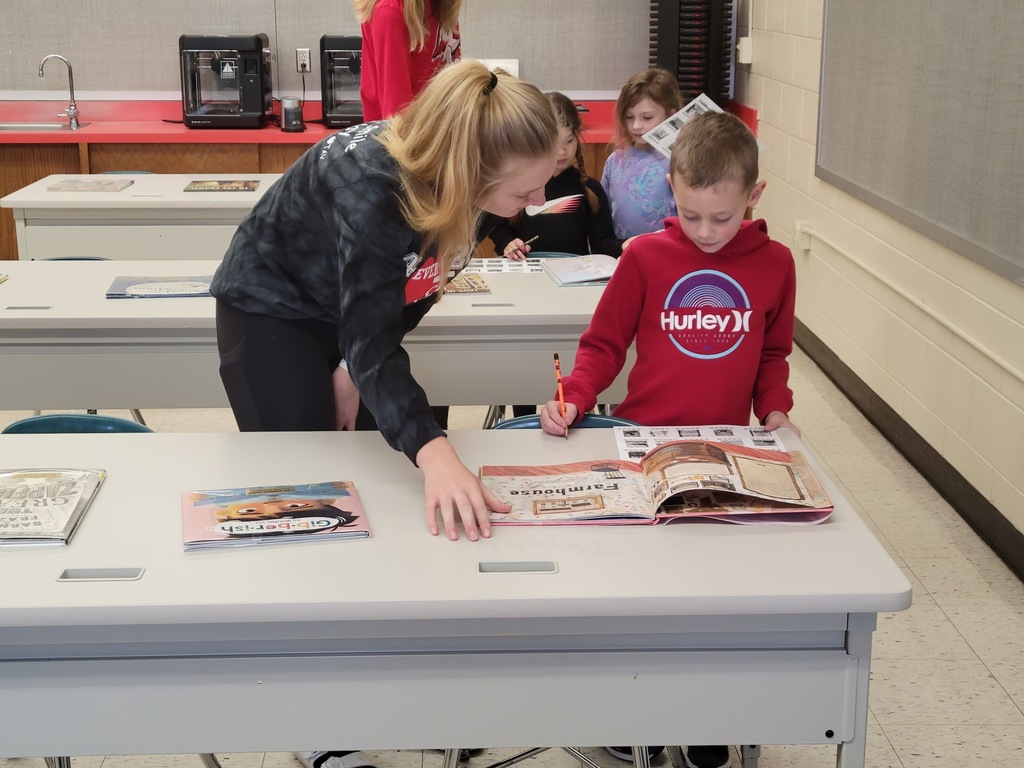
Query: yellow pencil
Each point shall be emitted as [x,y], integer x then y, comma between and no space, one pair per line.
[561,394]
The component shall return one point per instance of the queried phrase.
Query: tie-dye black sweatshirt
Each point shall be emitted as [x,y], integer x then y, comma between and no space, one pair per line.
[328,241]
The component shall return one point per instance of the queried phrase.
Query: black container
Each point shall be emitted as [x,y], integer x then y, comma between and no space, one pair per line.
[341,60]
[225,80]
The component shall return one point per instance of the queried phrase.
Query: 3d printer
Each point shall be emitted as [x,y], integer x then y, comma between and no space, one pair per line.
[341,60]
[225,80]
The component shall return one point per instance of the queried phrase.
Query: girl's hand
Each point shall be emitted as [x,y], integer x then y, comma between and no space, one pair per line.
[551,420]
[777,419]
[346,399]
[456,492]
[516,250]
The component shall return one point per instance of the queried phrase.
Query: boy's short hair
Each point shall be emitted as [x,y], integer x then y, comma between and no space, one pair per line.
[714,147]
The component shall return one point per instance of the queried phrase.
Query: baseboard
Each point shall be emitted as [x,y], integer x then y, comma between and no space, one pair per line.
[989,523]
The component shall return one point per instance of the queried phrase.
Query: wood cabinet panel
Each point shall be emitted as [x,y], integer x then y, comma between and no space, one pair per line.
[174,158]
[278,158]
[22,164]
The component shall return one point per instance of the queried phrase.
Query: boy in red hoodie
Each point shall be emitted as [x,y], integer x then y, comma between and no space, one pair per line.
[709,301]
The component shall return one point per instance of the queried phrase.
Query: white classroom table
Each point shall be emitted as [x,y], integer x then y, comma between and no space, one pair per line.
[154,218]
[63,345]
[698,633]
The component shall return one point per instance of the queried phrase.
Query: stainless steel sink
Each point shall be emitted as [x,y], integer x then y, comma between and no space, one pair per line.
[36,126]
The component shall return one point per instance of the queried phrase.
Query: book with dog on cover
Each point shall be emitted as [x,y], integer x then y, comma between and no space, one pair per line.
[233,517]
[676,481]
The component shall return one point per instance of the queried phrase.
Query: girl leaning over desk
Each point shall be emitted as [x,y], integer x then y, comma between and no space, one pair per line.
[350,248]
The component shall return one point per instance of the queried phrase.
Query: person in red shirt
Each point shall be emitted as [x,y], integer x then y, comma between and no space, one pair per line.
[709,301]
[405,42]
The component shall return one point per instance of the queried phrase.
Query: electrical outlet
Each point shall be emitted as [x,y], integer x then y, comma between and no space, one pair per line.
[802,235]
[745,50]
[302,61]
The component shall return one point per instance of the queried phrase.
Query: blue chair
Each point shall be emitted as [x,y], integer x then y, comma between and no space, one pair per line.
[73,423]
[589,421]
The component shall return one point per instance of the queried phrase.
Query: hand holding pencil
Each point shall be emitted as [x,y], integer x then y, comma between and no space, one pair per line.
[515,249]
[557,415]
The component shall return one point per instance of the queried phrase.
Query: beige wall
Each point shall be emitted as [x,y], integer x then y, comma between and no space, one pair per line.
[132,45]
[938,338]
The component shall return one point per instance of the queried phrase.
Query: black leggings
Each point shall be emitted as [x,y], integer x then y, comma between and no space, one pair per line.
[277,373]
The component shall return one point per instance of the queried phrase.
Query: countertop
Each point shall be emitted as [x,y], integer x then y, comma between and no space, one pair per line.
[159,122]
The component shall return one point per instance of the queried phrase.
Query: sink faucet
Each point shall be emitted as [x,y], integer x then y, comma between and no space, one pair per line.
[72,110]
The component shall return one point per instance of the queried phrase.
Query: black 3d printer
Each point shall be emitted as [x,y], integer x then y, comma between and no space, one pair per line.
[341,60]
[225,80]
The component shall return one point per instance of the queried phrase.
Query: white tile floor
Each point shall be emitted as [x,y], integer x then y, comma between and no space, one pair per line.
[947,685]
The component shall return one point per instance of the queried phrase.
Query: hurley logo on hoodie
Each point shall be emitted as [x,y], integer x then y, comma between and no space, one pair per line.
[706,314]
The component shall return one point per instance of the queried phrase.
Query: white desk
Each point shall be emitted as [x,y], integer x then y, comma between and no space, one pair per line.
[668,635]
[154,218]
[63,345]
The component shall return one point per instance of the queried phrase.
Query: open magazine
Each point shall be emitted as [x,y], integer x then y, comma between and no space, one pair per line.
[590,269]
[232,517]
[676,481]
[663,135]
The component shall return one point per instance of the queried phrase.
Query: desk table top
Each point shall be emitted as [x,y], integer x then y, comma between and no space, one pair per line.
[149,191]
[71,295]
[402,573]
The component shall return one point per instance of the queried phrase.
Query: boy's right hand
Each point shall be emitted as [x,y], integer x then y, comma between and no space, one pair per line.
[551,420]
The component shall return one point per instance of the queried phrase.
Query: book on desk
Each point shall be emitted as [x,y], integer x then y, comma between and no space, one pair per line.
[678,480]
[589,269]
[233,517]
[157,287]
[43,507]
[90,185]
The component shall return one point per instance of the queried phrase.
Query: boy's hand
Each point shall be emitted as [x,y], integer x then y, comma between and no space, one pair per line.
[777,419]
[551,420]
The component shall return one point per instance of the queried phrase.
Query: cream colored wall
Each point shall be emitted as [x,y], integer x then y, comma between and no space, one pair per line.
[132,45]
[938,338]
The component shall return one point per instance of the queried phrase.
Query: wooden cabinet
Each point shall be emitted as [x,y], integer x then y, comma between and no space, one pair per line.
[22,164]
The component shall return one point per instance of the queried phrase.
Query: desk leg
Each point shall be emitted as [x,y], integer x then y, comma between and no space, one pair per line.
[859,629]
[58,762]
[749,755]
[641,757]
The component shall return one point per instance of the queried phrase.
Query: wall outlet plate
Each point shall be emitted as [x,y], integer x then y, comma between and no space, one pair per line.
[303,63]
[802,235]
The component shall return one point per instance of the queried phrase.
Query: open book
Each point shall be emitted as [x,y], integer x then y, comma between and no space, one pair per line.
[232,517]
[591,269]
[679,480]
[44,506]
[663,135]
